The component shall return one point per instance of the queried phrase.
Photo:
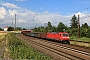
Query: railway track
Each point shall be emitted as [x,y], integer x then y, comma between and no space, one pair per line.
[56,50]
[81,43]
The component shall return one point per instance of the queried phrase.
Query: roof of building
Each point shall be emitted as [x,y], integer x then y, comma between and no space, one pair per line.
[6,27]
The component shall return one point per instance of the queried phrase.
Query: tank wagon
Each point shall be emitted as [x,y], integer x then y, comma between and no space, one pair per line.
[62,37]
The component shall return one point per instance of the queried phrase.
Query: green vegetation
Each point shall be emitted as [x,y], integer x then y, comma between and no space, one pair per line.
[49,28]
[74,22]
[12,28]
[2,45]
[1,29]
[0,38]
[19,50]
[85,39]
[88,32]
[61,27]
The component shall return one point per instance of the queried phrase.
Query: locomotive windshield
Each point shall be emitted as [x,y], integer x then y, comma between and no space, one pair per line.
[65,34]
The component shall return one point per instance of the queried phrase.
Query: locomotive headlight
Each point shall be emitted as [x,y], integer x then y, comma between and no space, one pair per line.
[67,37]
[63,37]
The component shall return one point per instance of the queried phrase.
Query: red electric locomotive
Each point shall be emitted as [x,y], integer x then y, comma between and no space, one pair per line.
[61,36]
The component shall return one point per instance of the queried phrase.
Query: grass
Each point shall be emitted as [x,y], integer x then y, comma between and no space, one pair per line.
[84,39]
[1,38]
[20,50]
[2,45]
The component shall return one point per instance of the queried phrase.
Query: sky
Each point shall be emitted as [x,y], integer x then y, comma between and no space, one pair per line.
[34,13]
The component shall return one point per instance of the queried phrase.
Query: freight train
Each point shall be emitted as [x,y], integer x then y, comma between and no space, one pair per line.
[62,37]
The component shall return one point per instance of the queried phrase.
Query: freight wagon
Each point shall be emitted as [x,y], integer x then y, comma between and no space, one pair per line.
[25,32]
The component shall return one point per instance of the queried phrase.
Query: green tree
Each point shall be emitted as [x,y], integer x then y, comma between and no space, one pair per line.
[1,29]
[10,28]
[40,29]
[88,33]
[49,24]
[53,29]
[85,25]
[60,27]
[35,29]
[46,29]
[24,29]
[49,27]
[83,32]
[74,22]
[84,29]
[74,32]
[18,28]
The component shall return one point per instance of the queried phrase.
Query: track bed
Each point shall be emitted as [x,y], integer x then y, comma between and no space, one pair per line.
[57,51]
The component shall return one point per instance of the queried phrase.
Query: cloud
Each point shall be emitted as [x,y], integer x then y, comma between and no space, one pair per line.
[21,21]
[12,12]
[27,18]
[20,0]
[9,5]
[84,17]
[2,12]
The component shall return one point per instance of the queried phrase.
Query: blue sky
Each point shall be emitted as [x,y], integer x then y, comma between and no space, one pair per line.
[43,11]
[62,6]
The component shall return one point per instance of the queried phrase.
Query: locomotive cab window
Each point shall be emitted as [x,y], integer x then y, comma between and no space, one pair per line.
[65,34]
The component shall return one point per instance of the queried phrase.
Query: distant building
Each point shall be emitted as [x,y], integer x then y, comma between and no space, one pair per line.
[5,28]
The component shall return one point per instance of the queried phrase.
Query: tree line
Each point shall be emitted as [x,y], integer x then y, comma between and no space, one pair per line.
[72,30]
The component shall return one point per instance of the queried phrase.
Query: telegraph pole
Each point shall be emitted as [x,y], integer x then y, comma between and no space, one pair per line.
[78,27]
[15,23]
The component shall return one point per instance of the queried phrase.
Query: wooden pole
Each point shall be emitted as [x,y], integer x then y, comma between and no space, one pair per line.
[78,27]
